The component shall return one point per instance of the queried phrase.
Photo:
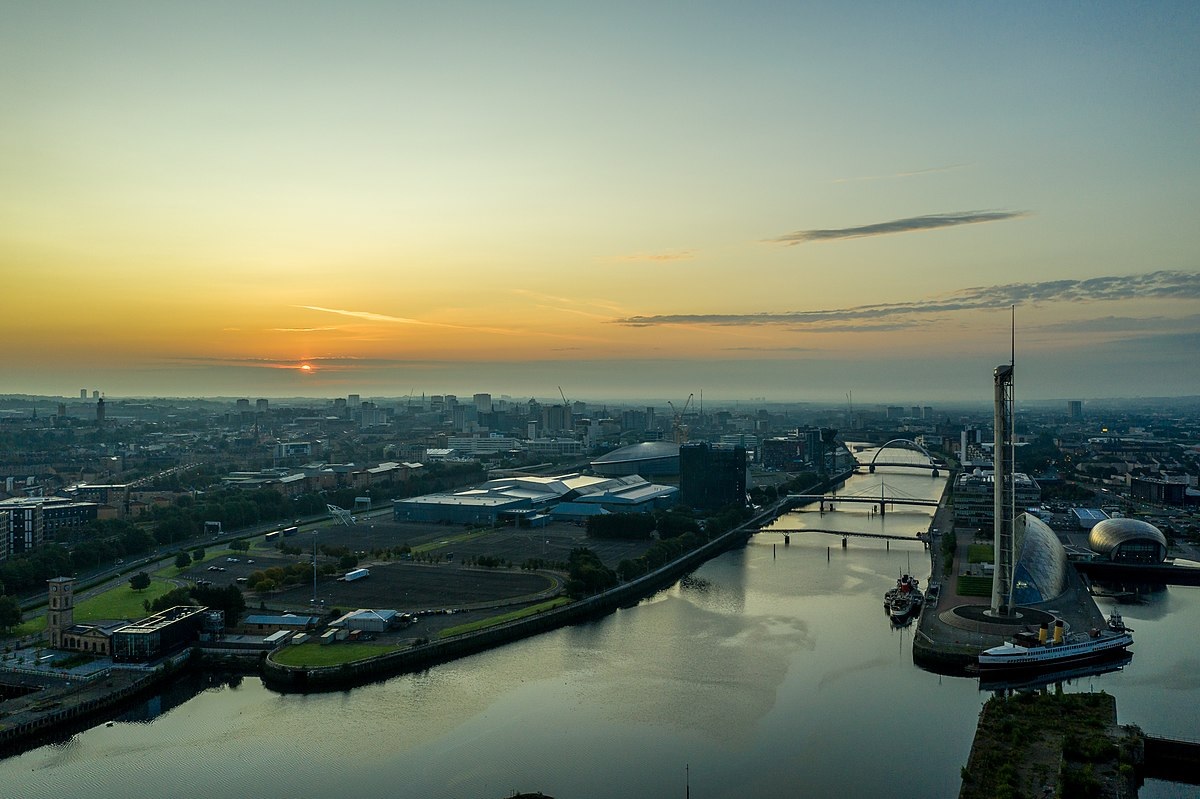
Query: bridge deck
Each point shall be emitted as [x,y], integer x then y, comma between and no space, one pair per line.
[872,500]
[852,534]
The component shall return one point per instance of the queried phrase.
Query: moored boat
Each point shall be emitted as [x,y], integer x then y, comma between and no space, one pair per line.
[1028,651]
[900,602]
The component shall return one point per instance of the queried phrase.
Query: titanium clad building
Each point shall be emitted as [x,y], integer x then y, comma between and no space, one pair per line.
[1128,541]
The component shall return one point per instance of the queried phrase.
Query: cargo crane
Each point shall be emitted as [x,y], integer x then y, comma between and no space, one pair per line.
[680,429]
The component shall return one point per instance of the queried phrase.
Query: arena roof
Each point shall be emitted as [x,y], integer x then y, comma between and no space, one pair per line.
[1109,534]
[647,450]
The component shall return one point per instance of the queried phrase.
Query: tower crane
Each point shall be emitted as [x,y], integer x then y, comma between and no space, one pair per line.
[680,430]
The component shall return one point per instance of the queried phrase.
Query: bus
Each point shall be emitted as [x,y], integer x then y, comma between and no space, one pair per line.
[290,531]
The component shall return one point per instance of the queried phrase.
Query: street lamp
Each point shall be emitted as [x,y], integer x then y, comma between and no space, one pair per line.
[314,599]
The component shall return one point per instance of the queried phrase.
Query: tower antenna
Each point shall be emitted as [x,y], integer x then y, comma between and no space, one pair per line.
[1012,358]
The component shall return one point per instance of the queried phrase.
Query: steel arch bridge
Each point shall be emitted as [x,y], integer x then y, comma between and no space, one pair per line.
[903,443]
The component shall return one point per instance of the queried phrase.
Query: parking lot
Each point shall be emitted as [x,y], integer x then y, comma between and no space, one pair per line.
[411,585]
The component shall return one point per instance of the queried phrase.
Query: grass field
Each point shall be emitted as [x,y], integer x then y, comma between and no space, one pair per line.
[974,586]
[314,654]
[980,553]
[117,603]
[121,602]
[501,619]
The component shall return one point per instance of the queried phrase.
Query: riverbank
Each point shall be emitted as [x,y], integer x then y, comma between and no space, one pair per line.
[52,711]
[328,678]
[1052,745]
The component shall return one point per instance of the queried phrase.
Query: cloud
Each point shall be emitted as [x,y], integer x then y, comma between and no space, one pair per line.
[770,349]
[1124,324]
[678,255]
[911,174]
[370,316]
[930,222]
[1163,284]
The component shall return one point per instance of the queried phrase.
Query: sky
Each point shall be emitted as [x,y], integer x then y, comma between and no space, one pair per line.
[789,200]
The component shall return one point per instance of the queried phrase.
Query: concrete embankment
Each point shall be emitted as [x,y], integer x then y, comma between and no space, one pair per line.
[324,678]
[58,710]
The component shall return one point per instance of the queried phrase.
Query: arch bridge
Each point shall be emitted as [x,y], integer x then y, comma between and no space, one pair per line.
[933,465]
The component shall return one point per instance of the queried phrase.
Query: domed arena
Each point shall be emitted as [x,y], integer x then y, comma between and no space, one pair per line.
[1128,541]
[647,458]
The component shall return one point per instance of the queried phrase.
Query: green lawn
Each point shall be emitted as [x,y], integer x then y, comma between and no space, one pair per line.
[117,603]
[501,619]
[121,602]
[314,654]
[974,586]
[980,553]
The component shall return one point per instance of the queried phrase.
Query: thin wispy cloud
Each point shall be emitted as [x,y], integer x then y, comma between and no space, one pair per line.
[1125,324]
[907,225]
[678,255]
[910,174]
[370,316]
[301,329]
[1162,285]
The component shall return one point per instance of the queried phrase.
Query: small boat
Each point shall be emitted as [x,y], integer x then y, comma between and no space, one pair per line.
[1028,651]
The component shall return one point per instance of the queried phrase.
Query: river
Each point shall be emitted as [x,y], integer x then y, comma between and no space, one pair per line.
[771,671]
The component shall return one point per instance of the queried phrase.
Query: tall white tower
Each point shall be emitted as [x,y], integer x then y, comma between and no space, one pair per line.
[1004,506]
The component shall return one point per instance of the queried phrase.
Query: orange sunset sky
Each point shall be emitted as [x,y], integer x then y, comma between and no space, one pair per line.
[629,200]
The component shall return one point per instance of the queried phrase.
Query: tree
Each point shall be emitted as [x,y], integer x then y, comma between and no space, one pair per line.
[177,596]
[139,581]
[10,613]
[198,554]
[183,560]
[239,546]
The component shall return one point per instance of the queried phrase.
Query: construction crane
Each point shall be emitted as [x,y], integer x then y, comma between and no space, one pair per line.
[680,429]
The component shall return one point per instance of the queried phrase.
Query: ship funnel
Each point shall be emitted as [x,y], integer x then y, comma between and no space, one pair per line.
[1058,631]
[1042,634]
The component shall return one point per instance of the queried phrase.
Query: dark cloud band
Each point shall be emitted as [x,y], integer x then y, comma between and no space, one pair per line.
[1172,285]
[912,223]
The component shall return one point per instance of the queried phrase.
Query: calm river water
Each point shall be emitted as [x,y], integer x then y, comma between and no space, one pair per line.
[771,671]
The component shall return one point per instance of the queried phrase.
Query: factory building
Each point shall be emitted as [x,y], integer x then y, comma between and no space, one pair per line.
[513,497]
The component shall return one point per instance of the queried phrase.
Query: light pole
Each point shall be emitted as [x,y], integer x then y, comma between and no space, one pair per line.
[314,599]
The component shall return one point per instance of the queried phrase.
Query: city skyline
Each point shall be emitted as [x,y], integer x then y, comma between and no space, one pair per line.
[793,203]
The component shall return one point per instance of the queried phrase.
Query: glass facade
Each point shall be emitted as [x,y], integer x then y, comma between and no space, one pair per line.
[1041,562]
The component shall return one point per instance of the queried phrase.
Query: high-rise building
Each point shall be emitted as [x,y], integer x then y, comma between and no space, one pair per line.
[1074,409]
[712,475]
[83,393]
[261,406]
[100,411]
[483,403]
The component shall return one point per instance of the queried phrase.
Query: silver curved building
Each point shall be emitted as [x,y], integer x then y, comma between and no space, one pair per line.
[1128,540]
[1040,573]
[647,458]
